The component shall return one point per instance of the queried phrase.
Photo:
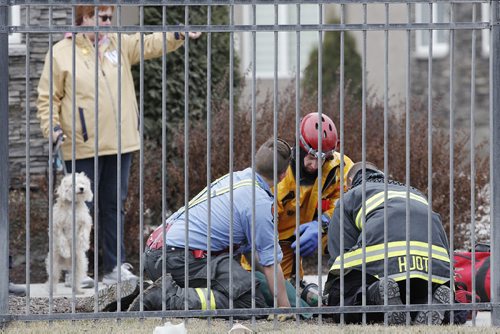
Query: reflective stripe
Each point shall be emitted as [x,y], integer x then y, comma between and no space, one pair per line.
[373,202]
[395,248]
[213,306]
[202,196]
[203,300]
[416,274]
[202,294]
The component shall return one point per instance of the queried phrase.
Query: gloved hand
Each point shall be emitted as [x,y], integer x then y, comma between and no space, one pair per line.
[325,221]
[308,238]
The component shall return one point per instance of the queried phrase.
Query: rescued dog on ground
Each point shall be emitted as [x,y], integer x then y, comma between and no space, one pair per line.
[63,229]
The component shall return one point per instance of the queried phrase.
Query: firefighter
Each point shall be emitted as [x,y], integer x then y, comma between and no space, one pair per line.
[196,223]
[418,263]
[309,159]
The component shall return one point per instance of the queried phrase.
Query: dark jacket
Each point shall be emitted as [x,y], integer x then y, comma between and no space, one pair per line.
[395,200]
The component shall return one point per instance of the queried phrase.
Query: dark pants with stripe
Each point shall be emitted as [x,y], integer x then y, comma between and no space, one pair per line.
[107,179]
[197,275]
[353,293]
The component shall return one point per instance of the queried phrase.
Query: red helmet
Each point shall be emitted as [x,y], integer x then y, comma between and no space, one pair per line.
[309,127]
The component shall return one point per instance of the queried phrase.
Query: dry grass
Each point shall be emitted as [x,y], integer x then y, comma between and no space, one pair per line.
[222,326]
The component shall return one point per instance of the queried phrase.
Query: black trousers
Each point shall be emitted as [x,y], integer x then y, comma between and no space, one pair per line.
[353,295]
[175,263]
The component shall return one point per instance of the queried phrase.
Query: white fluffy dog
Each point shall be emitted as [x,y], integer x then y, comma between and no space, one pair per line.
[63,228]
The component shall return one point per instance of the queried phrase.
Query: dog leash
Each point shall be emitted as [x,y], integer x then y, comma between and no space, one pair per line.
[57,156]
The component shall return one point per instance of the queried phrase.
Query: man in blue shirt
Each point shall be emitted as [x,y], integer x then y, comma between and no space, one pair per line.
[244,213]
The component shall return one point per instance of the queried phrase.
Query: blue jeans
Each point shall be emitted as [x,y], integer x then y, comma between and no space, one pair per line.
[107,202]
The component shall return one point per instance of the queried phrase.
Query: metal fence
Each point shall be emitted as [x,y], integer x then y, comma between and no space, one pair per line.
[384,24]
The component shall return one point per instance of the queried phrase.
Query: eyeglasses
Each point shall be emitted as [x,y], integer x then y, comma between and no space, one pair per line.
[105,18]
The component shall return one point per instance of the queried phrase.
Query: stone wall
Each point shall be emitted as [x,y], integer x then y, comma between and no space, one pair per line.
[38,146]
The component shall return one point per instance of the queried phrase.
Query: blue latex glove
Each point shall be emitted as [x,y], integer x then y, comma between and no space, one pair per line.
[308,238]
[325,220]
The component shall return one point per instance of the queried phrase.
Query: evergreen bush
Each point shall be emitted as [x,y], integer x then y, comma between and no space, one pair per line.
[174,78]
[331,66]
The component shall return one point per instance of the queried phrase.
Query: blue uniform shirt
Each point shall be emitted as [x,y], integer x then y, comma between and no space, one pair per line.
[220,218]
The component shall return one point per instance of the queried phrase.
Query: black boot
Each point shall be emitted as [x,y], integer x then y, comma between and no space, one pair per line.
[375,296]
[152,296]
[174,297]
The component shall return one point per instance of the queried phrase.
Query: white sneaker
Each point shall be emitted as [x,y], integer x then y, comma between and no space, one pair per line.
[87,282]
[126,275]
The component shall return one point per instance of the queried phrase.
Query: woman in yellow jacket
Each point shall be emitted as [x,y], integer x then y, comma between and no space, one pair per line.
[117,122]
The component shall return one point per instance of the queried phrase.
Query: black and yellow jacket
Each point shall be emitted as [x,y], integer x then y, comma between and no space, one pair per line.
[419,264]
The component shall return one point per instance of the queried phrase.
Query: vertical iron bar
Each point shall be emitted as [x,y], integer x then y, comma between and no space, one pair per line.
[4,158]
[119,235]
[472,164]
[429,163]
[51,167]
[163,154]
[452,155]
[186,157]
[495,158]
[73,162]
[342,164]
[408,160]
[231,157]
[209,156]
[28,165]
[96,165]
[141,161]
[320,158]
[253,133]
[363,159]
[297,161]
[386,155]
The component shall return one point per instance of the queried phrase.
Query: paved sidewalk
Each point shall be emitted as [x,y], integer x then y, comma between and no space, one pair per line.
[42,290]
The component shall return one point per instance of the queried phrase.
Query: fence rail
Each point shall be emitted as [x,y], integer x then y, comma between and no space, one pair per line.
[473,24]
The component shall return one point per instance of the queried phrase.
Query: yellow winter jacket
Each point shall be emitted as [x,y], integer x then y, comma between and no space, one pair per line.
[108,106]
[309,196]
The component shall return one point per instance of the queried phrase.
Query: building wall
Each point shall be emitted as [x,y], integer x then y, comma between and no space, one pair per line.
[462,80]
[18,97]
[375,49]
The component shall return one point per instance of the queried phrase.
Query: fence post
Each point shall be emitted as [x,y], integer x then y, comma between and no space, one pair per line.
[495,156]
[4,159]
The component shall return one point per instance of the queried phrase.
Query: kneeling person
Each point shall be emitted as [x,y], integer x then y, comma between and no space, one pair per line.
[196,222]
[418,264]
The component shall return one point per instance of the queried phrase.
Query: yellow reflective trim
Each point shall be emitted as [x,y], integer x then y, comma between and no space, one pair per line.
[368,202]
[202,297]
[199,199]
[212,300]
[373,202]
[421,276]
[394,244]
[436,250]
[221,191]
[378,257]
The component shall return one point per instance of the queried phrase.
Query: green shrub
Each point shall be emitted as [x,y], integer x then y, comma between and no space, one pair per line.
[331,66]
[174,78]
